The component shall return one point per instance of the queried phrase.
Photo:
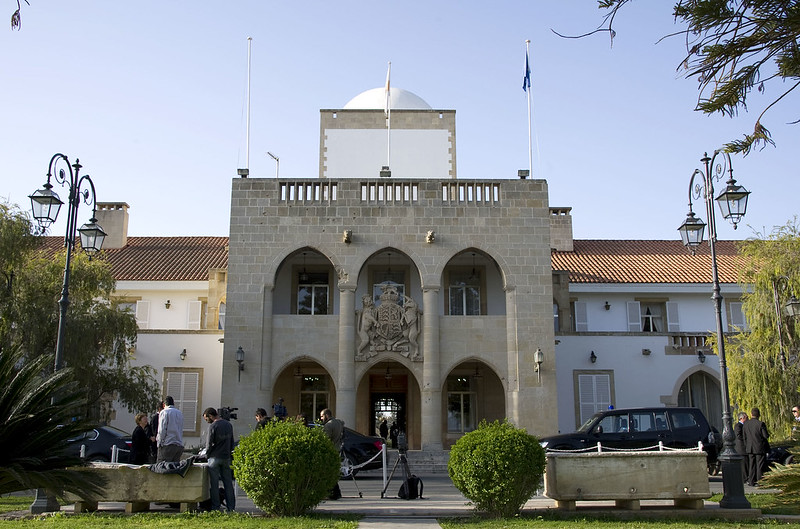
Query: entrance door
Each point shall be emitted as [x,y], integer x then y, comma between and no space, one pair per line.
[389,406]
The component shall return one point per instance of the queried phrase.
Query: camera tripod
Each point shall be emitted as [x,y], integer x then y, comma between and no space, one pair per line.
[402,461]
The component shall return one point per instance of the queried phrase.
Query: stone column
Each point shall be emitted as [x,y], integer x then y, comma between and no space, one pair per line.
[265,383]
[512,354]
[346,378]
[431,407]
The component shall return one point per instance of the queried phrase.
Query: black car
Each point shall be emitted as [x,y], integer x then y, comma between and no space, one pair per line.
[358,449]
[638,428]
[781,453]
[97,444]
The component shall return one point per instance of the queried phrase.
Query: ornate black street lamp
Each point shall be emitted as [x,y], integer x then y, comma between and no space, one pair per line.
[46,205]
[733,204]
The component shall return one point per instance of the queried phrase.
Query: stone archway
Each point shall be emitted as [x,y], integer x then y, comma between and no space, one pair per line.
[701,390]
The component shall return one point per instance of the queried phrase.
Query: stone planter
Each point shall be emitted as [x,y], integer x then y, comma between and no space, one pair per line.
[627,478]
[137,486]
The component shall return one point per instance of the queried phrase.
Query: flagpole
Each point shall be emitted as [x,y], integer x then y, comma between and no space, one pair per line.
[388,112]
[528,82]
[247,139]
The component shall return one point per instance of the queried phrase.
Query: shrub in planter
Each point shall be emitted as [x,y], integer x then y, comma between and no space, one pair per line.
[498,467]
[286,468]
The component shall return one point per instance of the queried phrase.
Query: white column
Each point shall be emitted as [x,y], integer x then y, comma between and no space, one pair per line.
[431,407]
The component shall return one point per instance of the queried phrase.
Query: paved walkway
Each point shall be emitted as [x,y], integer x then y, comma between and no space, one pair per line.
[441,499]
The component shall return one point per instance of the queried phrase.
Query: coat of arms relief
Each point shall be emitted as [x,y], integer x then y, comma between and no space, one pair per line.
[388,327]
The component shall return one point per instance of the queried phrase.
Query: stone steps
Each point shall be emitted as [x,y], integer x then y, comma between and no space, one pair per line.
[422,462]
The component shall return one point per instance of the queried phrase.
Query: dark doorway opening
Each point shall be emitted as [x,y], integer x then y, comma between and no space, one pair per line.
[389,406]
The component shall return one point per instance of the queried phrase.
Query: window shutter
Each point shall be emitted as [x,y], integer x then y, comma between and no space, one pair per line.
[184,388]
[673,322]
[634,317]
[195,312]
[594,392]
[143,314]
[737,315]
[581,317]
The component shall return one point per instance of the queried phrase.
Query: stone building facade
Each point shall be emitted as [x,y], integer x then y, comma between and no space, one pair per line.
[473,256]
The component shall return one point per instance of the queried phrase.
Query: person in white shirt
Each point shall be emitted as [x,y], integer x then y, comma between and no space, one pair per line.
[170,432]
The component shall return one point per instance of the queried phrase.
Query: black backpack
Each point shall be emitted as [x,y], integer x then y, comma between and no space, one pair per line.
[411,489]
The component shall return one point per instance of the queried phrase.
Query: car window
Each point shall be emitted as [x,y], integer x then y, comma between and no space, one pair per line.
[614,423]
[642,421]
[585,427]
[661,421]
[683,419]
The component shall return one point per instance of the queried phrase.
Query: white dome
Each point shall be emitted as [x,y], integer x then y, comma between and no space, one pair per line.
[375,99]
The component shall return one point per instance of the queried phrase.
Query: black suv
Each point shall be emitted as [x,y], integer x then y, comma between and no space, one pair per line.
[642,428]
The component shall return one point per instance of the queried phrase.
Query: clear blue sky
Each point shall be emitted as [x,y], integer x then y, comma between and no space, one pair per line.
[151,96]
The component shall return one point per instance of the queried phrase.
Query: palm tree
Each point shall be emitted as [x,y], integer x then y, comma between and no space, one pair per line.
[37,417]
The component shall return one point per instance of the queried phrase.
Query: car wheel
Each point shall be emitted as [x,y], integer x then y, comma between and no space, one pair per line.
[347,469]
[714,468]
[99,459]
[789,460]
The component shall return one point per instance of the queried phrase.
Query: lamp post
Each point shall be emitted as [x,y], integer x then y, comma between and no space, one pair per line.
[277,163]
[781,284]
[46,205]
[733,204]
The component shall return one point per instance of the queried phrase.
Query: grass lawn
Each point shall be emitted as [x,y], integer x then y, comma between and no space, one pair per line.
[14,503]
[766,502]
[163,521]
[591,523]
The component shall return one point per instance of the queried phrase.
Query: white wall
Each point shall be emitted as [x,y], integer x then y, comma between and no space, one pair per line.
[695,307]
[639,379]
[160,350]
[360,153]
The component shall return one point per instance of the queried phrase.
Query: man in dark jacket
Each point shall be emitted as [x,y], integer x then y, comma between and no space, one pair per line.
[738,431]
[756,444]
[219,449]
[334,429]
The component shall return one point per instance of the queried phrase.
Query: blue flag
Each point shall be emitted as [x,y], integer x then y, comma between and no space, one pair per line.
[526,81]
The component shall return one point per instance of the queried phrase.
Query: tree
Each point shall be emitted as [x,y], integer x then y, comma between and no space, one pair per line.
[757,374]
[99,335]
[733,47]
[34,427]
[16,241]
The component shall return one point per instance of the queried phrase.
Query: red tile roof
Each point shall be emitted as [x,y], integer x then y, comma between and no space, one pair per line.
[627,261]
[162,258]
[591,261]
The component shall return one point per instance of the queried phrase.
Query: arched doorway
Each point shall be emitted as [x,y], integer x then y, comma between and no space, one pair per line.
[700,390]
[389,390]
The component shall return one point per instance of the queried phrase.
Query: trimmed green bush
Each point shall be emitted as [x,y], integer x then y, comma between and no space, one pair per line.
[498,467]
[286,468]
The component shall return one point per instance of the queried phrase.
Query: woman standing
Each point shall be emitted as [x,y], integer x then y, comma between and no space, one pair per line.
[140,442]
